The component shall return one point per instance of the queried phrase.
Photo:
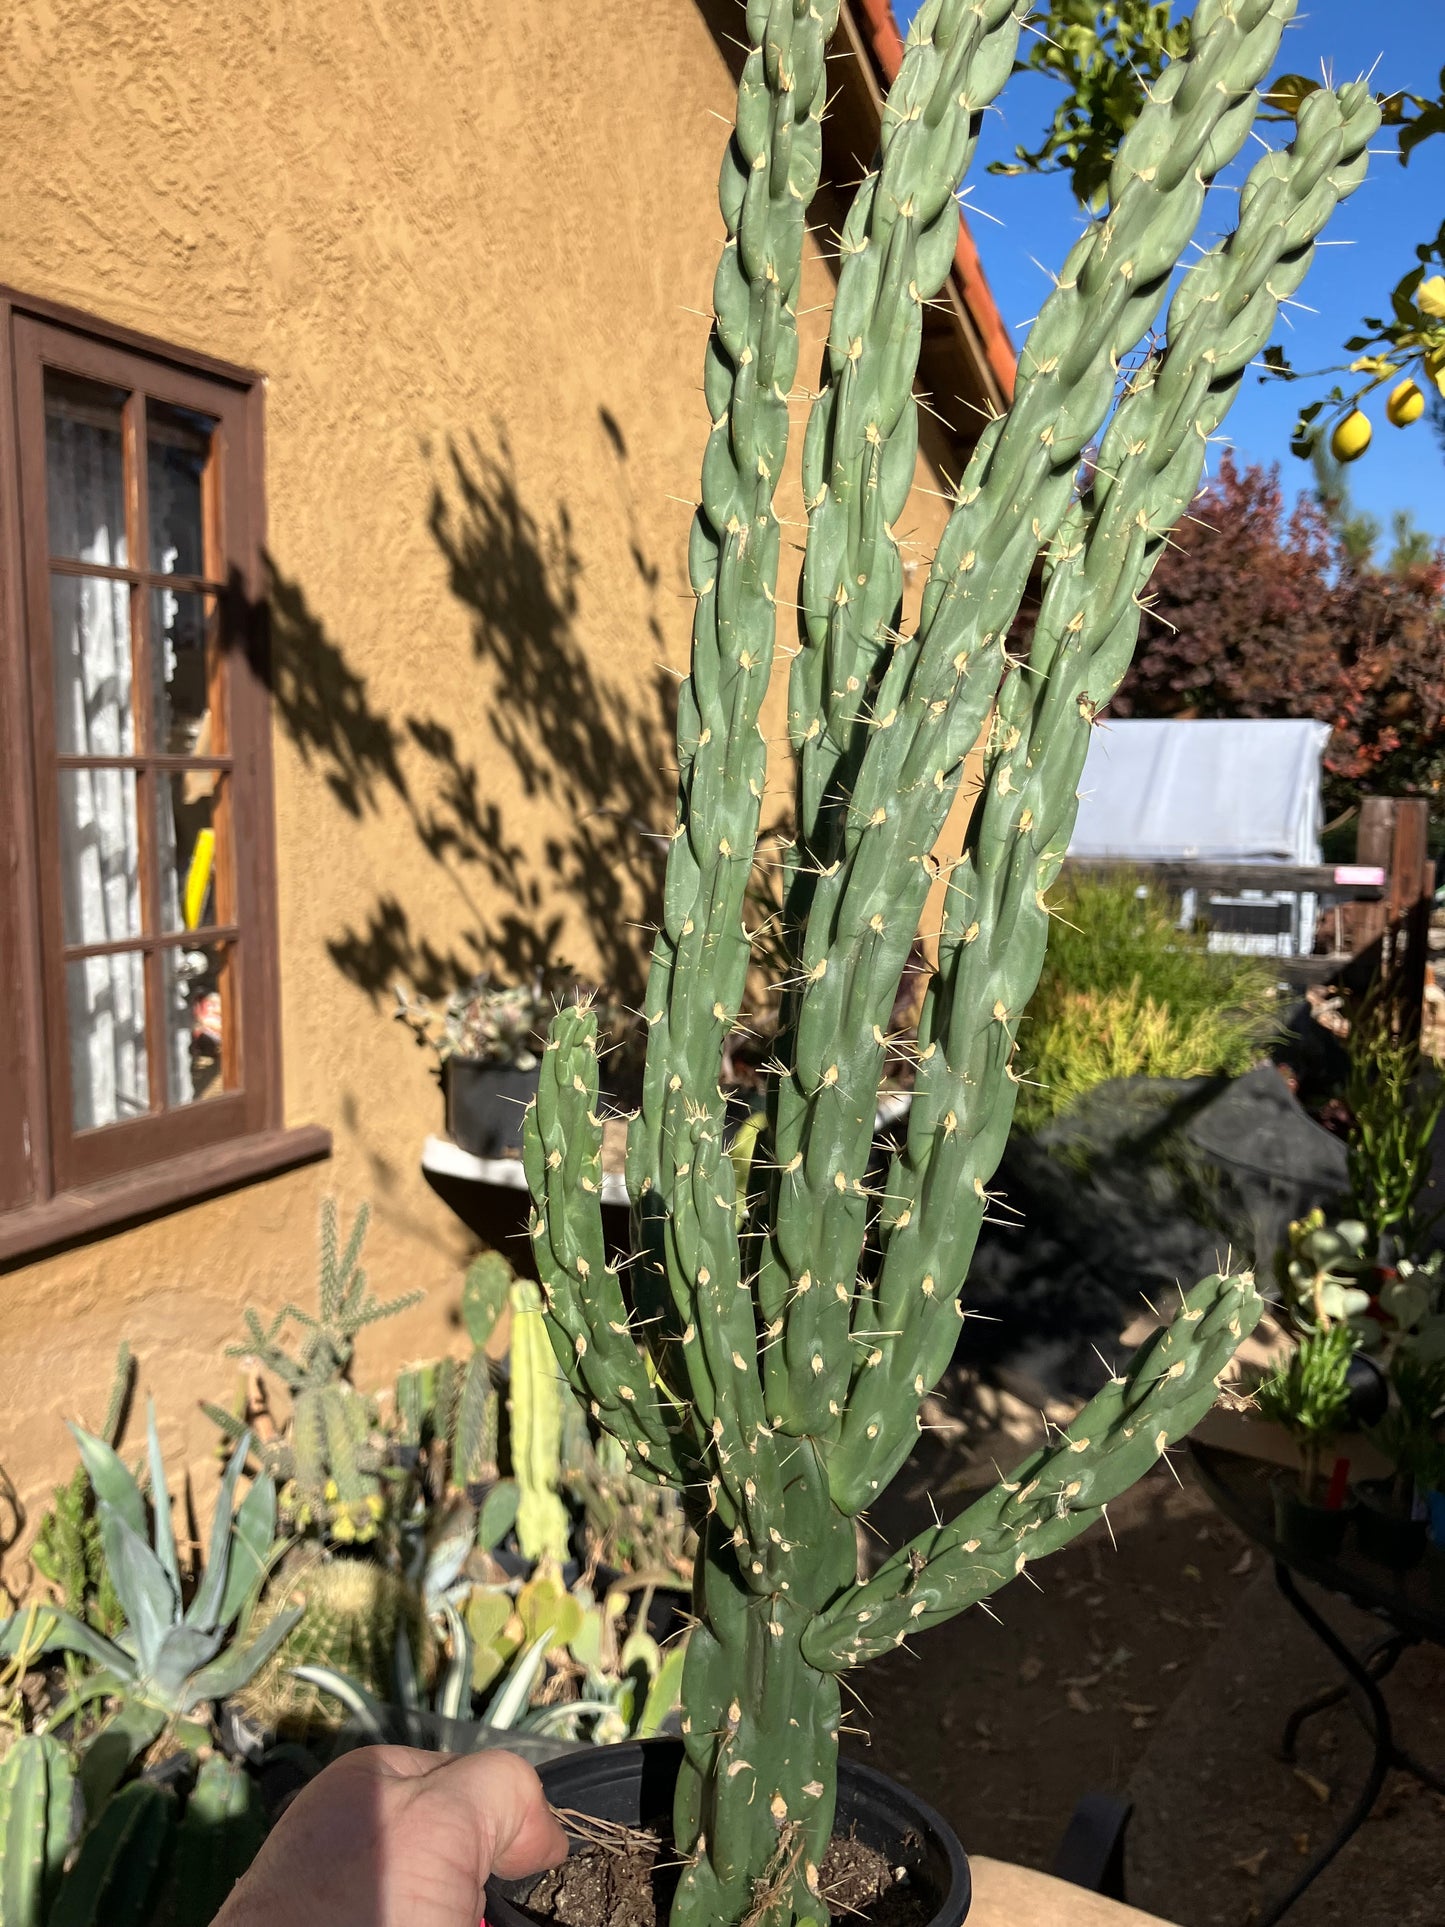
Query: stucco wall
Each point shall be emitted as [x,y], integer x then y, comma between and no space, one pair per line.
[445,235]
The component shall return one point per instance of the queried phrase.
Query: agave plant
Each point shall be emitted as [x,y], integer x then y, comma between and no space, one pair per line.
[172,1655]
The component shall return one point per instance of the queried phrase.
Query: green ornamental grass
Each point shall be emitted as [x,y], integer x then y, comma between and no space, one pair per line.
[1126,993]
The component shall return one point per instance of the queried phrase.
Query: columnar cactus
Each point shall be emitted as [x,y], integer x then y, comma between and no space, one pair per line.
[535,1409]
[753,1360]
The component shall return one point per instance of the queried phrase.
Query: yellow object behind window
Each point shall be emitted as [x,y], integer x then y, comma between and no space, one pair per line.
[198,877]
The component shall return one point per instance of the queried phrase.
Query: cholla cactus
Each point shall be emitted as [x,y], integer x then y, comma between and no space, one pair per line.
[323,1354]
[782,1376]
[328,1466]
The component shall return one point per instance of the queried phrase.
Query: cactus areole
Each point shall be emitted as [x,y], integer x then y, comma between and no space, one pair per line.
[748,1357]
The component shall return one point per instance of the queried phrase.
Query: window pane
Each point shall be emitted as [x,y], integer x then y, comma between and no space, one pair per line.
[178,446]
[90,650]
[99,855]
[186,810]
[85,469]
[105,1001]
[198,1015]
[183,634]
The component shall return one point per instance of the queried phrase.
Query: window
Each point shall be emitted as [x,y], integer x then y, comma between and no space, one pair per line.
[141,1064]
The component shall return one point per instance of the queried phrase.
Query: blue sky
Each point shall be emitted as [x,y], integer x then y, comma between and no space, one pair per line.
[1394,209]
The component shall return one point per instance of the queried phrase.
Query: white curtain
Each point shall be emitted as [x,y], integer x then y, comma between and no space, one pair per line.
[99,836]
[99,843]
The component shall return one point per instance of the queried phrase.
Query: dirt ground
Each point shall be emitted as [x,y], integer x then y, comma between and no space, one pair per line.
[1160,1667]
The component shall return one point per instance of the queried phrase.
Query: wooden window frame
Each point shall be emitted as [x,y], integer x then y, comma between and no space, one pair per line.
[58,1185]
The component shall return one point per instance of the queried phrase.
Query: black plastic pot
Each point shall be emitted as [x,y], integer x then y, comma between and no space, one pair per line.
[1369,1392]
[1308,1531]
[633,1783]
[485,1103]
[1385,1535]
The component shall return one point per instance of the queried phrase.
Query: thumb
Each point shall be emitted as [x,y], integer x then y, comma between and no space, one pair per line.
[501,1798]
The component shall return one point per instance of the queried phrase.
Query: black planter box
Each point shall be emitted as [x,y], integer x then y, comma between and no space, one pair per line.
[485,1105]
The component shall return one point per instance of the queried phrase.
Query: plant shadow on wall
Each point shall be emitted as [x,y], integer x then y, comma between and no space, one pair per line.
[585,753]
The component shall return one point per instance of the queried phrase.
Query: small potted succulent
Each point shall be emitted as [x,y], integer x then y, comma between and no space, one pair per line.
[1310,1397]
[487,1037]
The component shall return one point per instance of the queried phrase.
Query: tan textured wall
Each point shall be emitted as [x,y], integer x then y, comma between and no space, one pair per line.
[432,228]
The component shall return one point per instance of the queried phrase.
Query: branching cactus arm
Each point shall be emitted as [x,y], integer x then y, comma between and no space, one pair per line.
[996,920]
[588,1321]
[896,250]
[700,957]
[1064,1487]
[858,463]
[937,692]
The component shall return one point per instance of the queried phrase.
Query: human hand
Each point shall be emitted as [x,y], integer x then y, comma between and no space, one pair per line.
[392,1837]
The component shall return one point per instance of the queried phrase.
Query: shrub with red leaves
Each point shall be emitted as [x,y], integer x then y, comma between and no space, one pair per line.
[1259,610]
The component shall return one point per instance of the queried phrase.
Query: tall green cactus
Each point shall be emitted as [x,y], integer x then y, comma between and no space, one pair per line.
[535,1408]
[39,1815]
[753,1360]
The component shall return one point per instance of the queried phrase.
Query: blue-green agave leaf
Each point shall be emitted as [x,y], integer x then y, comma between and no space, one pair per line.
[253,1545]
[142,1585]
[162,1533]
[235,1668]
[368,1712]
[205,1608]
[110,1481]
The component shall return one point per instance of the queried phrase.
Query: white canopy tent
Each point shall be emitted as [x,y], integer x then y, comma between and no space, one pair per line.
[1245,791]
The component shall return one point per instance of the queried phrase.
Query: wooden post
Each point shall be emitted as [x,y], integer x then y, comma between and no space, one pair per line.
[1394,835]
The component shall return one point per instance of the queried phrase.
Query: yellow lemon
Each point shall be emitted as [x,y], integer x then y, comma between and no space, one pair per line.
[1351,438]
[1435,367]
[1430,296]
[1406,404]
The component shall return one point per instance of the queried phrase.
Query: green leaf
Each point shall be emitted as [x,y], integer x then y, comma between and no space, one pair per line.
[142,1585]
[110,1481]
[205,1608]
[233,1669]
[108,1757]
[50,1630]
[403,1669]
[665,1693]
[454,1696]
[184,1650]
[163,1534]
[498,1514]
[366,1710]
[511,1702]
[253,1545]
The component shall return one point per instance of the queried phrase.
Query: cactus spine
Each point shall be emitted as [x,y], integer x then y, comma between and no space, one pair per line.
[782,1378]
